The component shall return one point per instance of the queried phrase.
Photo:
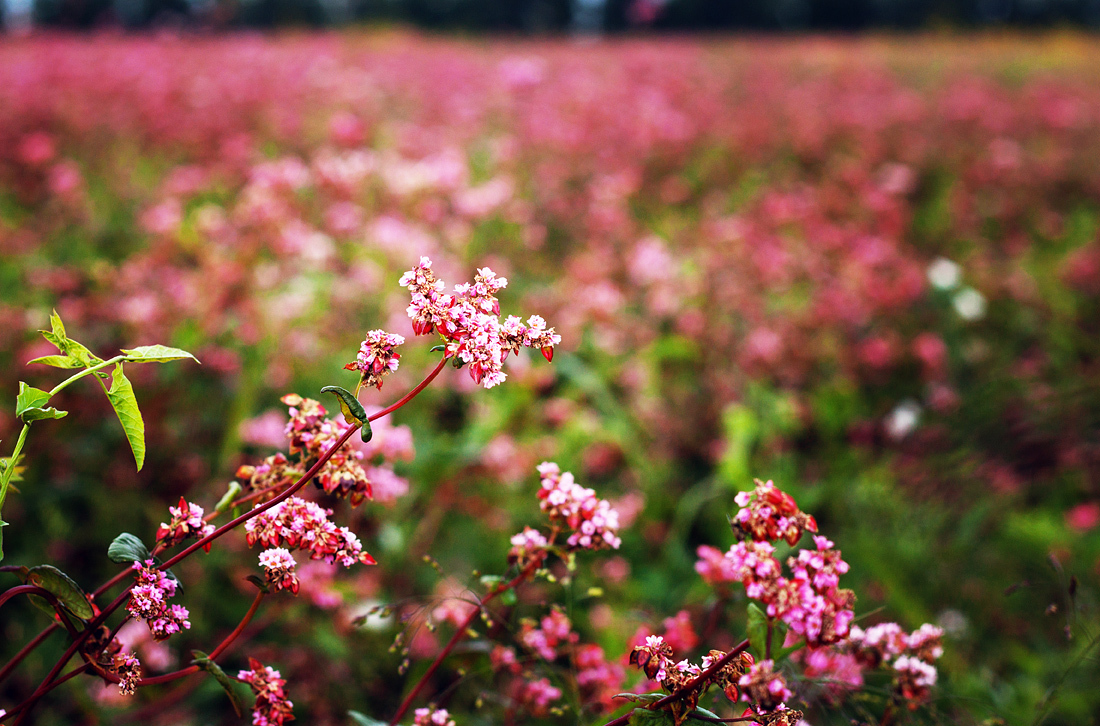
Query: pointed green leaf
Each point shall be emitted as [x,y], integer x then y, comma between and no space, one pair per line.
[757,628]
[57,361]
[127,548]
[61,586]
[360,719]
[29,397]
[353,411]
[121,395]
[156,354]
[202,660]
[71,348]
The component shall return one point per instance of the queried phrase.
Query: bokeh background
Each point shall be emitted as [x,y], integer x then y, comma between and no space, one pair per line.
[864,266]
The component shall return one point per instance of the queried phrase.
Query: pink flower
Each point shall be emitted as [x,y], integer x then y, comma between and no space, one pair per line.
[279,569]
[377,357]
[186,523]
[149,601]
[593,521]
[1084,517]
[272,707]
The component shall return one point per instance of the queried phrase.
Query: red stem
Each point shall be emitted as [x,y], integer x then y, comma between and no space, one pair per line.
[44,687]
[459,635]
[21,590]
[26,650]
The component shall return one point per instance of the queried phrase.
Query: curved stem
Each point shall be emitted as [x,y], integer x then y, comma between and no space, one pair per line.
[460,633]
[21,590]
[26,650]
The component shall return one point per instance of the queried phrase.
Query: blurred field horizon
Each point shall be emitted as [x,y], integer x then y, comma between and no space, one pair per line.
[865,267]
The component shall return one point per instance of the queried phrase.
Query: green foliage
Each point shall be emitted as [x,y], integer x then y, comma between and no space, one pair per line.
[203,661]
[353,410]
[127,548]
[62,587]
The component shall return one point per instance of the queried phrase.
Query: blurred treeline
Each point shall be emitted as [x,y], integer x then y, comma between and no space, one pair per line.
[555,16]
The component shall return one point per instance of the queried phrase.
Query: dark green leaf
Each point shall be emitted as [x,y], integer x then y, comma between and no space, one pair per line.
[643,717]
[156,354]
[127,548]
[121,396]
[61,586]
[202,660]
[353,411]
[360,719]
[29,397]
[757,628]
[645,698]
[704,713]
[57,361]
[258,582]
[437,348]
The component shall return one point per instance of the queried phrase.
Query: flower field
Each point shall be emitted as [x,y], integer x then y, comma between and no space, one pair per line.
[865,269]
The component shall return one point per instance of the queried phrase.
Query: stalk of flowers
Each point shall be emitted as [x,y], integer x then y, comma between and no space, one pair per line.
[655,658]
[311,435]
[279,569]
[432,717]
[301,524]
[272,706]
[468,319]
[376,357]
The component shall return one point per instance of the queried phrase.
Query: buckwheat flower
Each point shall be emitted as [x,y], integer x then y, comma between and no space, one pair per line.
[428,717]
[149,601]
[305,525]
[528,543]
[914,677]
[763,686]
[377,357]
[537,695]
[925,642]
[652,658]
[279,569]
[553,631]
[311,435]
[186,523]
[272,707]
[770,514]
[597,679]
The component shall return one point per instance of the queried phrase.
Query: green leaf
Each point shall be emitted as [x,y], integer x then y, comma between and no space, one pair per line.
[37,414]
[156,354]
[202,660]
[757,628]
[62,587]
[127,548]
[57,361]
[71,348]
[508,598]
[259,582]
[2,525]
[704,713]
[29,397]
[360,719]
[353,411]
[227,499]
[644,698]
[121,396]
[643,717]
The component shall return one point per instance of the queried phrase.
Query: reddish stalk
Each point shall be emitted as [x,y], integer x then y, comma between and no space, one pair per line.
[45,686]
[71,674]
[26,650]
[460,633]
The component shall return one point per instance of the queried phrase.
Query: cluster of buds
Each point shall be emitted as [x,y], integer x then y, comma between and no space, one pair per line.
[768,514]
[149,601]
[376,357]
[305,525]
[810,601]
[551,633]
[593,521]
[311,435]
[272,706]
[429,717]
[781,716]
[654,657]
[597,679]
[535,695]
[468,319]
[186,522]
[274,470]
[279,569]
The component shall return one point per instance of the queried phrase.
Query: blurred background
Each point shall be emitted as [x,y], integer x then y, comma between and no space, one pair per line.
[866,266]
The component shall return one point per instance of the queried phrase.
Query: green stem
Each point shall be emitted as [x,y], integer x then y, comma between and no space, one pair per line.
[65,383]
[10,468]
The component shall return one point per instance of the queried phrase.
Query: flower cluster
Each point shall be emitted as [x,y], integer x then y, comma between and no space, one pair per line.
[429,717]
[468,319]
[536,695]
[552,632]
[764,687]
[186,522]
[810,601]
[593,521]
[149,601]
[529,543]
[911,656]
[597,679]
[272,706]
[305,525]
[275,469]
[311,435]
[655,659]
[128,668]
[376,357]
[768,514]
[279,569]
